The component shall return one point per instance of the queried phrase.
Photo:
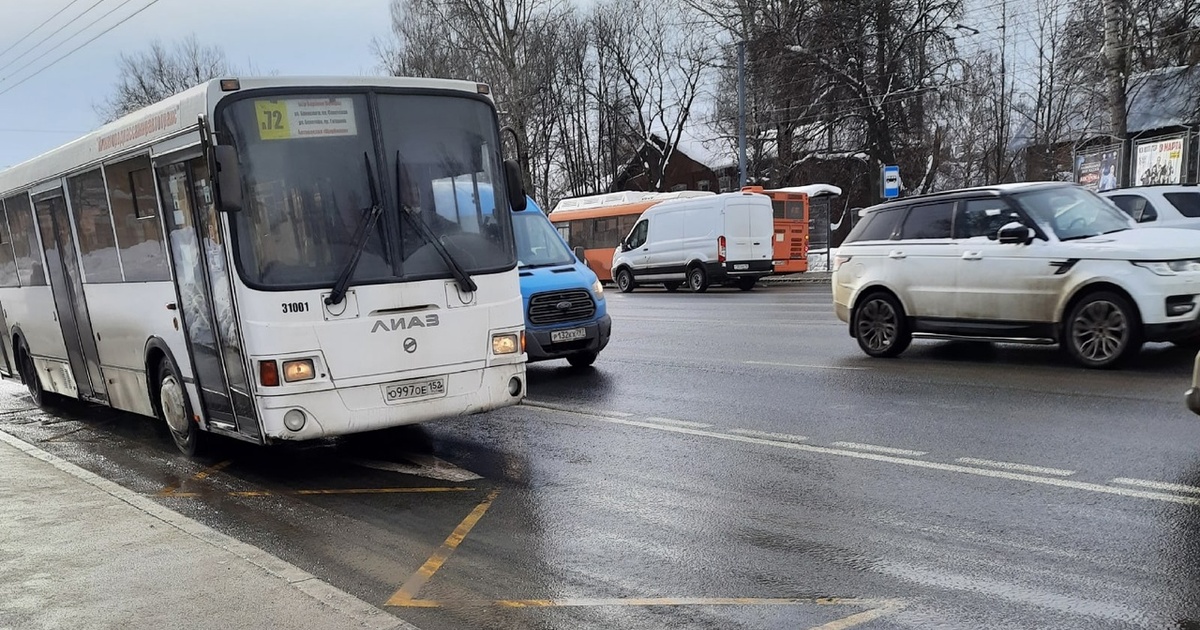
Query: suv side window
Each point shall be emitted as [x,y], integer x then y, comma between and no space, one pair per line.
[1187,203]
[877,226]
[983,218]
[637,237]
[931,220]
[1136,206]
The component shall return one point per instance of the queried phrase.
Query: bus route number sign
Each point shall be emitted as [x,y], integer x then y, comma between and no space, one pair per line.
[272,120]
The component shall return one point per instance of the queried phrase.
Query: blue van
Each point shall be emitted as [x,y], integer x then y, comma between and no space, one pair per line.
[565,313]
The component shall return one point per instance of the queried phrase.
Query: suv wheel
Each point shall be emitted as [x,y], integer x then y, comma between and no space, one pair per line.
[880,326]
[1102,331]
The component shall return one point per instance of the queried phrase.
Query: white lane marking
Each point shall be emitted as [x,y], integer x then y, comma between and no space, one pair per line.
[782,437]
[804,365]
[619,414]
[1037,470]
[677,423]
[858,446]
[916,463]
[1157,485]
[421,466]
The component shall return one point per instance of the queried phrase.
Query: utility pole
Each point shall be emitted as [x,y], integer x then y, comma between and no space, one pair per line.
[1115,68]
[741,114]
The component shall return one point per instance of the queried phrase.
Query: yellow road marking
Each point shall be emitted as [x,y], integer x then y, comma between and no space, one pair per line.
[414,583]
[200,476]
[882,607]
[860,618]
[331,491]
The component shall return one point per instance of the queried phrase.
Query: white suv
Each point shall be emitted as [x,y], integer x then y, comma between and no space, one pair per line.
[1035,263]
[1160,206]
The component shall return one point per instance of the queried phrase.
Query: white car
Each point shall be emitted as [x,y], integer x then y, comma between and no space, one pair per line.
[1160,206]
[1049,263]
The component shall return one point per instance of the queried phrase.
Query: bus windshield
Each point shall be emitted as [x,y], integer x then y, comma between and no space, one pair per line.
[538,243]
[304,161]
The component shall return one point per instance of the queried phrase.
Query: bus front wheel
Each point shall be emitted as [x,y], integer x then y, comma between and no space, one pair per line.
[175,410]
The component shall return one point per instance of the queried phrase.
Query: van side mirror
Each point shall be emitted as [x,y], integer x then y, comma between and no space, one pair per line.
[579,254]
[1015,233]
[229,178]
[516,189]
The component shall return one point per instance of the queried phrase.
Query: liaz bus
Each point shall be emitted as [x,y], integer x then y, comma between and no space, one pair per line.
[791,228]
[264,259]
[597,223]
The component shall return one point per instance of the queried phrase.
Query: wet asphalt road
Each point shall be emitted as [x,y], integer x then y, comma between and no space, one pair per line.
[732,461]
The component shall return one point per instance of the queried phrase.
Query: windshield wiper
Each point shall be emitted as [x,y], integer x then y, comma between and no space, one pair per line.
[465,283]
[360,239]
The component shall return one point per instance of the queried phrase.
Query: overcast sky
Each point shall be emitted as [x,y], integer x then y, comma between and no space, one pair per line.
[55,106]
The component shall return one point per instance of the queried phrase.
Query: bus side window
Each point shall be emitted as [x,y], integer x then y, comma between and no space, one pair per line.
[93,223]
[135,216]
[8,261]
[564,230]
[25,241]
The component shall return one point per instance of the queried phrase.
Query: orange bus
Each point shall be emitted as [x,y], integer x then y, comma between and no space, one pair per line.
[791,228]
[597,223]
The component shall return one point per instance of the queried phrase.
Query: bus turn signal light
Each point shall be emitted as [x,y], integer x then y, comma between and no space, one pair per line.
[299,370]
[268,373]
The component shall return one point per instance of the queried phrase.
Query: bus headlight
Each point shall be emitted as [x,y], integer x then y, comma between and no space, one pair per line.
[299,370]
[598,288]
[506,343]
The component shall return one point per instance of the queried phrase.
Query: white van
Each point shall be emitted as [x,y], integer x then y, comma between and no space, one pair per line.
[718,239]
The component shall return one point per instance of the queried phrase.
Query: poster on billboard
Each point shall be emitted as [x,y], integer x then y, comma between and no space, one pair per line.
[1097,169]
[1158,162]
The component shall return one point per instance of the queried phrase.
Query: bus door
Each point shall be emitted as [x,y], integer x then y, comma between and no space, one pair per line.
[205,295]
[66,284]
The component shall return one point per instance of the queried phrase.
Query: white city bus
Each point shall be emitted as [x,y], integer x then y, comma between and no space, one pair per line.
[312,287]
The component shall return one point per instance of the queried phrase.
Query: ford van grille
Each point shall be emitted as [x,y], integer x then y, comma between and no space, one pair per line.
[553,307]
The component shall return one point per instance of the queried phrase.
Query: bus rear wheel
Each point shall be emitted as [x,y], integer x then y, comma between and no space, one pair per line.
[175,410]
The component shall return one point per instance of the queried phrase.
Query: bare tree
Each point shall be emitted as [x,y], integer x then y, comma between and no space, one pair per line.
[158,72]
[661,59]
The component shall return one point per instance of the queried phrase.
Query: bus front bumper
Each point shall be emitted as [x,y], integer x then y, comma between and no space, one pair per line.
[363,408]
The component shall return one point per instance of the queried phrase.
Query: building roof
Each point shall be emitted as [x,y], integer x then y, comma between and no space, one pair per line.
[1163,98]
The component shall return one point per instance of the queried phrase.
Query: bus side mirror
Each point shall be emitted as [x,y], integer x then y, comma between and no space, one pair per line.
[229,178]
[579,254]
[516,190]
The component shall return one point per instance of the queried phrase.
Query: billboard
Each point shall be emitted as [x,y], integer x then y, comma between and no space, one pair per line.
[1158,162]
[1097,169]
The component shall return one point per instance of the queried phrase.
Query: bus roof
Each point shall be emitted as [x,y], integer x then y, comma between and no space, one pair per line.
[811,190]
[179,113]
[623,197]
[600,212]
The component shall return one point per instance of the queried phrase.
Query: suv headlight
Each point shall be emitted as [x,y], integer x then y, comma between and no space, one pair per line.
[598,288]
[1170,267]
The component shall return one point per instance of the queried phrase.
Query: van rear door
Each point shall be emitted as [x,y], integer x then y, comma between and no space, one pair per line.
[749,229]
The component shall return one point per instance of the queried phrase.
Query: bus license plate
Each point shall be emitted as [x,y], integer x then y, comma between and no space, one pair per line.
[571,334]
[423,388]
[742,267]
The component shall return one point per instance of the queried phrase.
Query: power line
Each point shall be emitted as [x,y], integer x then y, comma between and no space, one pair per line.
[64,41]
[76,49]
[35,29]
[47,38]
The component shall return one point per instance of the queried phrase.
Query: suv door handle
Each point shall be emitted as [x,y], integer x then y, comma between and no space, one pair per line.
[972,256]
[897,255]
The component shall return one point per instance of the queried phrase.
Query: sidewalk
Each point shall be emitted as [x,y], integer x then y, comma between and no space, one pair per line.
[79,551]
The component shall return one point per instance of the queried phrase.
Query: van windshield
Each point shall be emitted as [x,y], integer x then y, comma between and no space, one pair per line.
[538,243]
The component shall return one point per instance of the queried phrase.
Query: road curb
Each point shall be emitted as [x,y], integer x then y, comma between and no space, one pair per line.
[798,279]
[352,607]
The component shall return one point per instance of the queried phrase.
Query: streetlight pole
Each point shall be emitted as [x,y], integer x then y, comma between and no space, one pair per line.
[741,114]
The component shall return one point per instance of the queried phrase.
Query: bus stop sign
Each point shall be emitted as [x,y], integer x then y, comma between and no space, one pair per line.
[891,181]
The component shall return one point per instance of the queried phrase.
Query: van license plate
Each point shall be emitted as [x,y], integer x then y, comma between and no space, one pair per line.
[423,388]
[741,267]
[570,334]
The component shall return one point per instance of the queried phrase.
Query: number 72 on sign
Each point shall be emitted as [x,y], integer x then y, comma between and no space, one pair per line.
[272,120]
